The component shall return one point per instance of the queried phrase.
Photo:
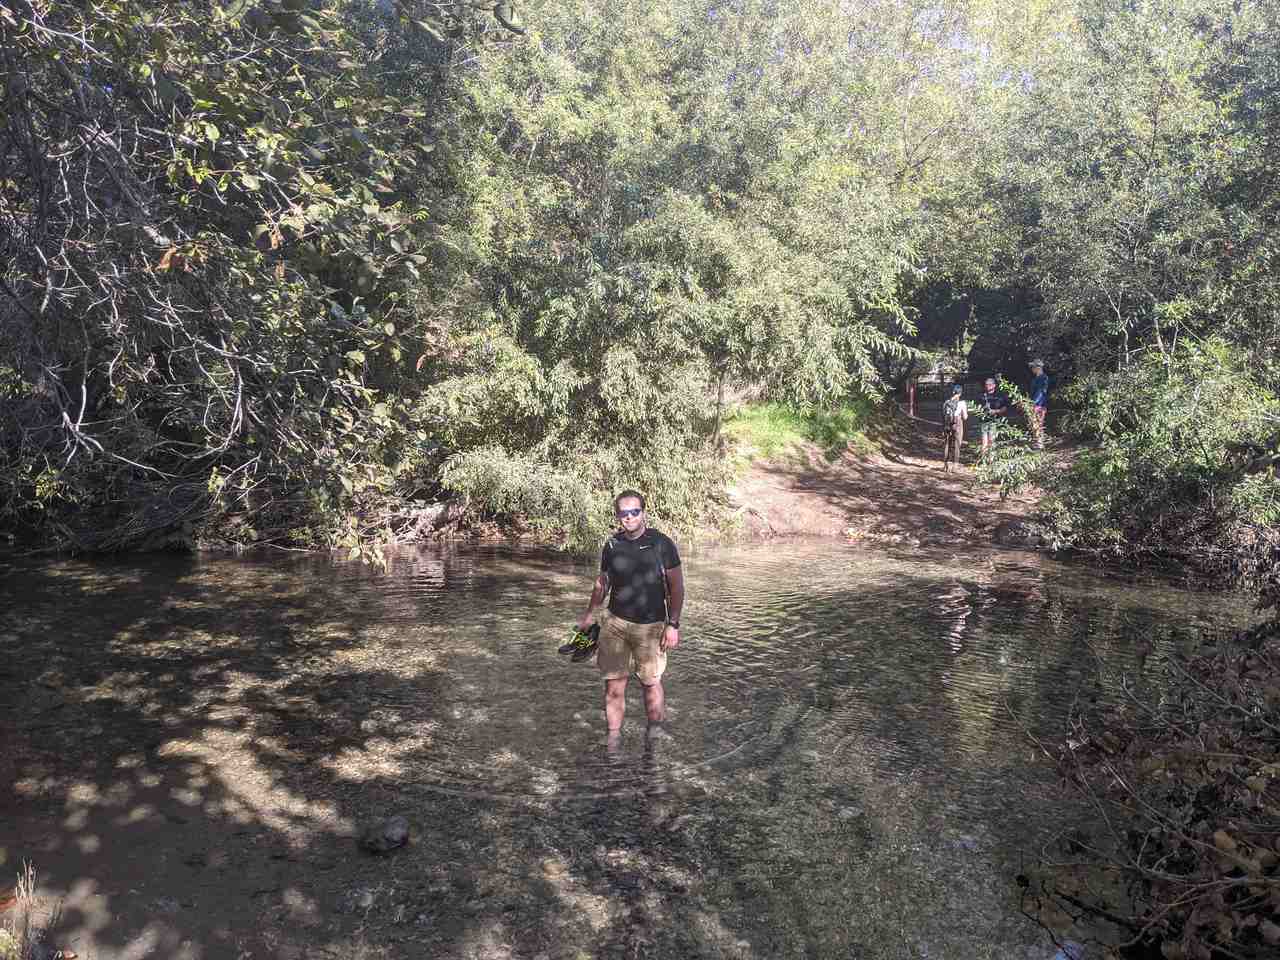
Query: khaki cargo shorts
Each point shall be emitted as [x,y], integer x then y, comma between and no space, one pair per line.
[627,647]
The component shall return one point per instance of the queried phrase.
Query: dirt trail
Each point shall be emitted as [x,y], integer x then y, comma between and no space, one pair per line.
[899,495]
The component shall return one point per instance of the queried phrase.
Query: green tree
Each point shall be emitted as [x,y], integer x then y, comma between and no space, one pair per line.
[211,227]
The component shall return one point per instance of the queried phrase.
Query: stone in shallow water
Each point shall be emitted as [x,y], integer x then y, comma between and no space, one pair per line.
[385,835]
[358,899]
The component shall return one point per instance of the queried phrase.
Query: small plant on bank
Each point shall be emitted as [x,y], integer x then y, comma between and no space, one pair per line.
[22,935]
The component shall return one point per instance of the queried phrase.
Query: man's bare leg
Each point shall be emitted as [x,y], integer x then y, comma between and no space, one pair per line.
[655,702]
[655,708]
[615,703]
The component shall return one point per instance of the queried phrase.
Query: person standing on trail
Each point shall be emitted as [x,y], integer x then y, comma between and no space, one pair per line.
[955,412]
[641,575]
[1039,400]
[993,407]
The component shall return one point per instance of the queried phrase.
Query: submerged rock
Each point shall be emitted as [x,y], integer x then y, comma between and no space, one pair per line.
[385,835]
[359,899]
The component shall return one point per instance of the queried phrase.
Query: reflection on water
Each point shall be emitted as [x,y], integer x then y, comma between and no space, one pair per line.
[848,776]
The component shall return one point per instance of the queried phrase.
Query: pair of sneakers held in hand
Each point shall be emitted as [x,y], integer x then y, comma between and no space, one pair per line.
[582,644]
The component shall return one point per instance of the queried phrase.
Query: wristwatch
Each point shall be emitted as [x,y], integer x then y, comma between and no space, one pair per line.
[674,623]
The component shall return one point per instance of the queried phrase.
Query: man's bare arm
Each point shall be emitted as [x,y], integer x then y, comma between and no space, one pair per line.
[598,593]
[675,603]
[675,593]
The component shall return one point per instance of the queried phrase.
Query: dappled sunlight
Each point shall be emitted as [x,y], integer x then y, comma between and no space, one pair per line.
[488,940]
[250,792]
[503,758]
[546,783]
[709,927]
[841,747]
[377,758]
[301,907]
[574,895]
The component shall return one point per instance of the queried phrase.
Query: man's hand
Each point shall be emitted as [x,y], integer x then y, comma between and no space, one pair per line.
[670,639]
[586,620]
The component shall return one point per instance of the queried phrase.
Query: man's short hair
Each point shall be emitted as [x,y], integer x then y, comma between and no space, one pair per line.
[990,380]
[628,495]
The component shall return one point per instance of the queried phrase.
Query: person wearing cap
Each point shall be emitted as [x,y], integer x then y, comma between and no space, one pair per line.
[954,414]
[1039,399]
[993,407]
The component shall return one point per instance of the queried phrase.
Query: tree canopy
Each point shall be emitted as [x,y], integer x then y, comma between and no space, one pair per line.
[279,268]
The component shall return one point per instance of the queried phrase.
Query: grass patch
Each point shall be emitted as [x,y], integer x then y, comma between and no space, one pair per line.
[770,430]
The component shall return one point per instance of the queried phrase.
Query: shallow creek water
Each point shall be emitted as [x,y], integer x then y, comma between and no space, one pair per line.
[195,742]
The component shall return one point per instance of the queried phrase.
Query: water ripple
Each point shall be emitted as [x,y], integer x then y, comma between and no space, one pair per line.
[919,668]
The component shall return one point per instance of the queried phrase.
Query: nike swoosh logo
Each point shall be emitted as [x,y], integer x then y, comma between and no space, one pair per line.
[645,547]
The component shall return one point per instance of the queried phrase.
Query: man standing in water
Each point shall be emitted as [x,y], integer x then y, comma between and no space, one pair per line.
[640,573]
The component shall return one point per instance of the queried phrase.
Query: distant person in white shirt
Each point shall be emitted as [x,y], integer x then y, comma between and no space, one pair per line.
[954,414]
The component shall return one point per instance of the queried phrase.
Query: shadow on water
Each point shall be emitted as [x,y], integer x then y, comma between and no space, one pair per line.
[195,744]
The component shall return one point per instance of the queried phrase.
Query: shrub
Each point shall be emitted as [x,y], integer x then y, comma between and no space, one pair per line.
[1183,863]
[512,484]
[572,500]
[1162,473]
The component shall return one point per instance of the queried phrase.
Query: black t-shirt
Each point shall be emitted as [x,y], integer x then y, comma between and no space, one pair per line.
[637,575]
[990,402]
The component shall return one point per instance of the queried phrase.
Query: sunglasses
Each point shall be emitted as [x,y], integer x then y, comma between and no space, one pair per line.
[631,512]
